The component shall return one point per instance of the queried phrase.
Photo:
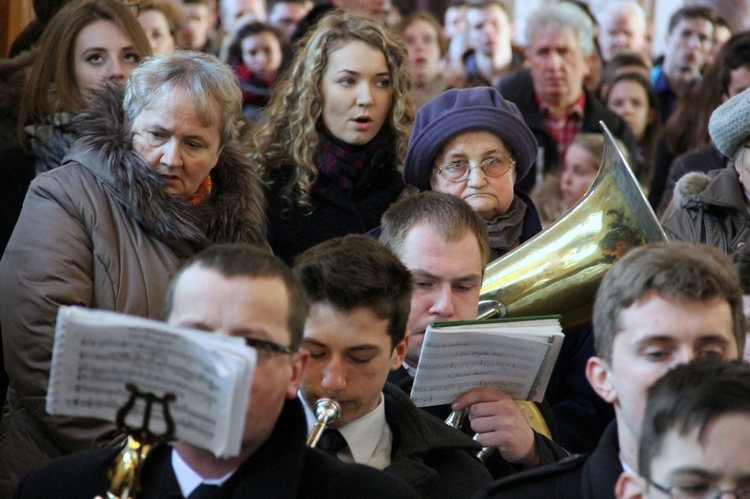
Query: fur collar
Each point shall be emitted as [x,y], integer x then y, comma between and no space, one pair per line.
[689,186]
[233,212]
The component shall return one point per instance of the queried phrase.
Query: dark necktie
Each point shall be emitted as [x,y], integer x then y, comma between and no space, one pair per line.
[204,491]
[331,441]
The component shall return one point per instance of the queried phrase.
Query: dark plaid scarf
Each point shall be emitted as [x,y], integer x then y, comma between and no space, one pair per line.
[344,163]
[255,88]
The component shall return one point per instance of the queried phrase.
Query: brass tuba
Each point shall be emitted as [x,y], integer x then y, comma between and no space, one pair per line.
[559,270]
[326,412]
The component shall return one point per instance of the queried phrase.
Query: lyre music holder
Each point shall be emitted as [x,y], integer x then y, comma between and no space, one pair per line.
[124,475]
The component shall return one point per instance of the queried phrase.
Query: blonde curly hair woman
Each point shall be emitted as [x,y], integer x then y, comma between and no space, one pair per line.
[337,129]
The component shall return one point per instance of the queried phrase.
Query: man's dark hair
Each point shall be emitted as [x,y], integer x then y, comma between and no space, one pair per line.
[689,397]
[242,260]
[692,12]
[734,54]
[358,272]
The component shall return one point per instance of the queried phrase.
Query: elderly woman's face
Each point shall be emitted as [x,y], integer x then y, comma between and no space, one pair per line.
[488,196]
[357,93]
[176,143]
[102,53]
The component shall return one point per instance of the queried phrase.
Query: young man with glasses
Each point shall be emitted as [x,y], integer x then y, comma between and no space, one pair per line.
[695,436]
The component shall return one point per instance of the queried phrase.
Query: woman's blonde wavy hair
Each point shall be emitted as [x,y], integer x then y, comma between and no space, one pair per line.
[291,134]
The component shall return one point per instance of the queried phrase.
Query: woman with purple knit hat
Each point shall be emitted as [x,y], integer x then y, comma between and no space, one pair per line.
[474,144]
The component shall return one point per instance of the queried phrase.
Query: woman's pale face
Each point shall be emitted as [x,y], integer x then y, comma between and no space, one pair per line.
[171,138]
[629,100]
[102,52]
[578,173]
[488,196]
[357,93]
[424,52]
[156,27]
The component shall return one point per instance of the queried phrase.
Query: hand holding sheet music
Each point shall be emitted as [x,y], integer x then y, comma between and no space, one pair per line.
[515,356]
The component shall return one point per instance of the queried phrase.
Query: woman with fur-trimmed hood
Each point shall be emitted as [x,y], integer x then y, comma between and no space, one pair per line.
[714,207]
[153,178]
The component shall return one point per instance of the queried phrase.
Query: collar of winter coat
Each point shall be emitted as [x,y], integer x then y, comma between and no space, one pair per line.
[233,212]
[720,188]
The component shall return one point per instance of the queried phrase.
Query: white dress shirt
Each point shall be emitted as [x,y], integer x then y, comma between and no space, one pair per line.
[369,439]
[188,479]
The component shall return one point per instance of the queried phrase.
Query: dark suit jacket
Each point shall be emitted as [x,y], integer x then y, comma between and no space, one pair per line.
[519,89]
[584,477]
[549,451]
[438,461]
[281,468]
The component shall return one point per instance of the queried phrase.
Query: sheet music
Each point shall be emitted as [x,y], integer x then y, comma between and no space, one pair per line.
[453,362]
[97,353]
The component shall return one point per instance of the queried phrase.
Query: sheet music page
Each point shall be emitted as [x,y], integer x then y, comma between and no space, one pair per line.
[97,353]
[452,363]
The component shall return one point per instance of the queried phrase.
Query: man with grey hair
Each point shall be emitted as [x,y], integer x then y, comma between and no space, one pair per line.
[623,27]
[550,94]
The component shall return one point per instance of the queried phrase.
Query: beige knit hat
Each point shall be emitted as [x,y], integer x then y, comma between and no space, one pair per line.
[729,125]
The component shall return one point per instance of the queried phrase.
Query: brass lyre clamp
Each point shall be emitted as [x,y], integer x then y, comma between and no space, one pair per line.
[124,474]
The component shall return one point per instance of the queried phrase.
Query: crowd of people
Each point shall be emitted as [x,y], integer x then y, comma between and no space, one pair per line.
[327,180]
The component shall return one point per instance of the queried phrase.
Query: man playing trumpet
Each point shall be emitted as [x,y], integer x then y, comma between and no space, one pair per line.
[355,334]
[234,290]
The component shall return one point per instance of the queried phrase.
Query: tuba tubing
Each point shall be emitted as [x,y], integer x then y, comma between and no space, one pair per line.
[326,412]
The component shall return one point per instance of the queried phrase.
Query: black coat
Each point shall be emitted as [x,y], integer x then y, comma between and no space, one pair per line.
[584,477]
[438,461]
[335,212]
[519,89]
[281,468]
[581,415]
[549,452]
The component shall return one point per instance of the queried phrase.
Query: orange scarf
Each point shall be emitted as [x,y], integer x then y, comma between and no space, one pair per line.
[203,191]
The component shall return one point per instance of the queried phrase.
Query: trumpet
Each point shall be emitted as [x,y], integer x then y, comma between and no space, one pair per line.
[326,412]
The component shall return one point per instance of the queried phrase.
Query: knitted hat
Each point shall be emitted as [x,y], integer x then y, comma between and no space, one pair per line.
[729,125]
[457,111]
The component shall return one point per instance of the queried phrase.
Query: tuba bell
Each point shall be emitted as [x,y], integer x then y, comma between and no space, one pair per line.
[326,412]
[559,270]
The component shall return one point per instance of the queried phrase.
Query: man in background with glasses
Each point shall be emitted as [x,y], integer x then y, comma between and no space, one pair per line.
[695,441]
